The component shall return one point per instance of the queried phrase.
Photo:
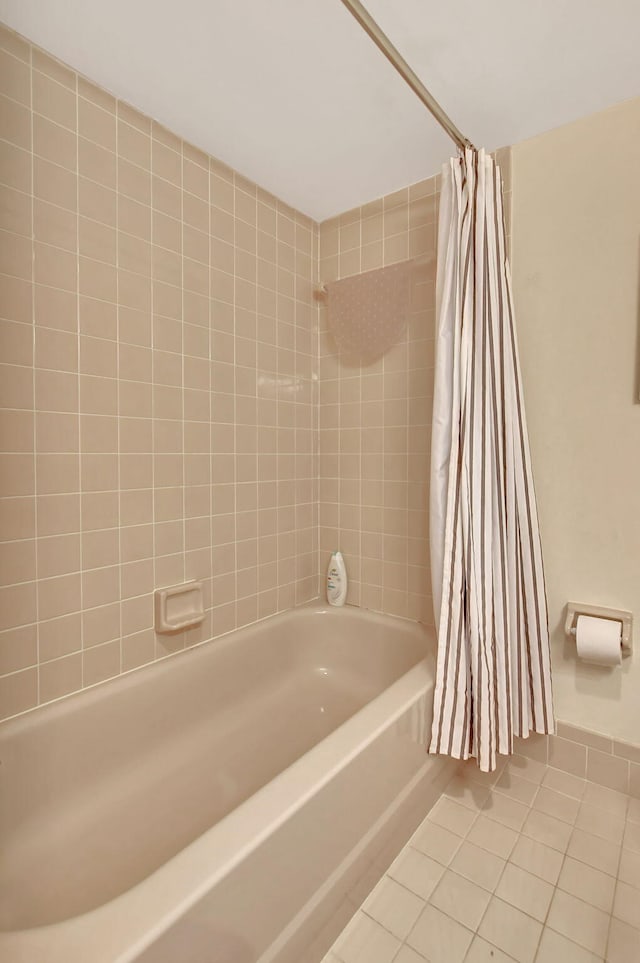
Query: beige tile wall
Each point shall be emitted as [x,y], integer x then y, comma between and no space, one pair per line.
[612,763]
[375,418]
[157,362]
[160,410]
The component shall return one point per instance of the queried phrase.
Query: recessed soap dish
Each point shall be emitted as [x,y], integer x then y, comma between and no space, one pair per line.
[178,607]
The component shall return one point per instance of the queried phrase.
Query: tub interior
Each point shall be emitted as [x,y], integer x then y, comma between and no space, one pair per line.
[104,787]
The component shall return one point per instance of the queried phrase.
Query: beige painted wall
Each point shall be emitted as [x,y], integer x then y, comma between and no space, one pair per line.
[576,232]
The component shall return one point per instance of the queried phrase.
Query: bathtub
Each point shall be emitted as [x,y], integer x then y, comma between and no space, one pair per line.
[229,804]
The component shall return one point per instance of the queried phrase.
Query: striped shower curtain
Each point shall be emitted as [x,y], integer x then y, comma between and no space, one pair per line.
[493,679]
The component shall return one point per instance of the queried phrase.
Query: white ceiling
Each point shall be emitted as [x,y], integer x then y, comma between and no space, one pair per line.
[294,95]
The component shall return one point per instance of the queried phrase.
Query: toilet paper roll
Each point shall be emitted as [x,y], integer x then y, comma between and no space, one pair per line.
[598,640]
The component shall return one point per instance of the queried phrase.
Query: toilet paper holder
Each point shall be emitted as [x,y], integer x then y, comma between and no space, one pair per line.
[574,609]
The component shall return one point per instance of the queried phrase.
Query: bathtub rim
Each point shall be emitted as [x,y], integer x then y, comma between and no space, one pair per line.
[130,922]
[161,664]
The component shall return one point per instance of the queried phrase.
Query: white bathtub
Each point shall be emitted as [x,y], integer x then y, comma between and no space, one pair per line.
[219,806]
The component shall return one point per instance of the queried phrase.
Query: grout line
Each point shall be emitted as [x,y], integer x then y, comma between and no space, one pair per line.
[33,387]
[615,888]
[543,923]
[233,213]
[152,350]
[211,389]
[118,395]
[77,374]
[183,634]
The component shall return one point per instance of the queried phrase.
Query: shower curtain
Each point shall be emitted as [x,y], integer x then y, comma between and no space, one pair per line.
[493,679]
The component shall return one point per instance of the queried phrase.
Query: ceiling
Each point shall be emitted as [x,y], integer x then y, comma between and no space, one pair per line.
[294,95]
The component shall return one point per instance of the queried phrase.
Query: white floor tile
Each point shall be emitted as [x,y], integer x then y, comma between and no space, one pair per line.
[556,804]
[624,943]
[631,838]
[511,930]
[614,802]
[492,836]
[629,869]
[555,948]
[394,907]
[460,899]
[579,921]
[525,891]
[467,793]
[407,955]
[601,823]
[469,770]
[365,941]
[478,865]
[526,768]
[522,790]
[478,886]
[589,884]
[436,841]
[548,830]
[633,811]
[454,817]
[594,851]
[564,782]
[439,938]
[625,904]
[417,872]
[537,858]
[506,811]
[482,952]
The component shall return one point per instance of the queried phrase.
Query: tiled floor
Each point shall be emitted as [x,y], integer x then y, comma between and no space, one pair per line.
[526,864]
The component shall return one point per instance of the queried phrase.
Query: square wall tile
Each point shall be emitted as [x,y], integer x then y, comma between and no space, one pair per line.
[142,245]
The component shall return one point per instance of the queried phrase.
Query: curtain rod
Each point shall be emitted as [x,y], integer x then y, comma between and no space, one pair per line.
[381,40]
